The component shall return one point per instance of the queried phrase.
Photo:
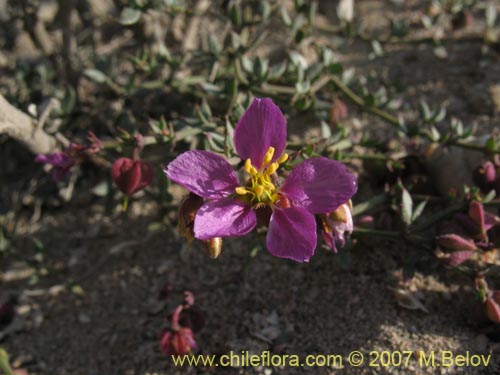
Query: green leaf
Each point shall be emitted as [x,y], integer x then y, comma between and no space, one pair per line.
[418,210]
[491,14]
[235,14]
[335,68]
[425,110]
[285,16]
[491,145]
[4,363]
[213,44]
[96,75]
[406,207]
[302,87]
[129,16]
[260,68]
[490,196]
[229,135]
[277,70]
[439,116]
[326,132]
[378,50]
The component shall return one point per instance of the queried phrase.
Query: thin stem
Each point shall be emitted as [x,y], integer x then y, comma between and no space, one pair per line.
[438,217]
[125,203]
[393,120]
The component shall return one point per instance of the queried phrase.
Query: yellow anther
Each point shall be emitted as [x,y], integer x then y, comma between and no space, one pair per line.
[282,158]
[249,168]
[259,190]
[268,156]
[240,190]
[248,165]
[272,168]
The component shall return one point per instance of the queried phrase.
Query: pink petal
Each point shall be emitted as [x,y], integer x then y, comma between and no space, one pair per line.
[262,126]
[495,295]
[292,234]
[455,242]
[146,175]
[493,310]
[203,173]
[320,185]
[225,217]
[329,240]
[458,257]
[476,212]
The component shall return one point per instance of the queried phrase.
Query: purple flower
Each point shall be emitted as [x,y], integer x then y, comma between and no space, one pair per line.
[316,186]
[60,161]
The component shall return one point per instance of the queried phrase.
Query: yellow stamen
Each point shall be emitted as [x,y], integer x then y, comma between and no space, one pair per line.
[259,190]
[240,190]
[272,168]
[248,165]
[268,156]
[282,158]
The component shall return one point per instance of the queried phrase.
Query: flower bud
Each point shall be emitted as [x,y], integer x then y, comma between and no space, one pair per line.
[336,224]
[455,242]
[493,310]
[188,208]
[338,111]
[484,176]
[178,342]
[455,258]
[213,247]
[130,175]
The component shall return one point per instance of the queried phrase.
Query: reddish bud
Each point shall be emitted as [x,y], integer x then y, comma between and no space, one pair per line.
[130,176]
[188,298]
[336,224]
[213,247]
[338,111]
[178,342]
[454,259]
[188,208]
[493,310]
[95,144]
[484,176]
[455,242]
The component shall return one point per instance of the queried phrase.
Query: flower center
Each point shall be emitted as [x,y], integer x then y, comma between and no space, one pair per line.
[260,188]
